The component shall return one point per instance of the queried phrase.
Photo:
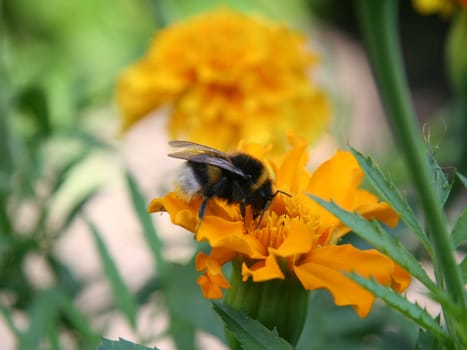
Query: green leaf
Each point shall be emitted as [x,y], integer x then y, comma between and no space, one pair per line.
[42,316]
[77,320]
[442,185]
[398,302]
[388,192]
[372,232]
[426,341]
[75,210]
[463,266]
[121,344]
[9,322]
[64,171]
[179,283]
[150,233]
[33,101]
[463,179]
[459,231]
[251,334]
[120,291]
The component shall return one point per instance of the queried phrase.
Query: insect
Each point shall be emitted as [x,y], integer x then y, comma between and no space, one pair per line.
[237,178]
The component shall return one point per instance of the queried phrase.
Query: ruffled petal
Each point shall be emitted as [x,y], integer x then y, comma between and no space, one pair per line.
[298,241]
[323,268]
[230,235]
[291,176]
[263,270]
[337,179]
[213,280]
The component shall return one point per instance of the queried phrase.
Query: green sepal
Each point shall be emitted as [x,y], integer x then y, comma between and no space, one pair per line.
[277,304]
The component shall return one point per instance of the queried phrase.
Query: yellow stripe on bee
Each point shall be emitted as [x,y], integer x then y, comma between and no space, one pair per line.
[214,173]
[261,179]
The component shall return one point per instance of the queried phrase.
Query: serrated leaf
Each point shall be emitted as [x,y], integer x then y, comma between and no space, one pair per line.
[373,233]
[388,192]
[150,233]
[121,344]
[251,334]
[463,179]
[442,185]
[398,302]
[121,294]
[459,231]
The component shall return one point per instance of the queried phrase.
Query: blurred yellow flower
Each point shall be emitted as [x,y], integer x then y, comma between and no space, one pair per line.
[227,76]
[442,7]
[297,238]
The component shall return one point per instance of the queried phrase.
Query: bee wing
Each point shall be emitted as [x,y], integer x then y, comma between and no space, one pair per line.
[204,154]
[197,146]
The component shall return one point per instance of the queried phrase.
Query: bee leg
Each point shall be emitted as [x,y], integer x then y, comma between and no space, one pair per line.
[211,192]
[243,212]
[202,210]
[268,203]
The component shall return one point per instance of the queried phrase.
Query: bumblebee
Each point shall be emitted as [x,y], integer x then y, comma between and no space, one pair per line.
[237,178]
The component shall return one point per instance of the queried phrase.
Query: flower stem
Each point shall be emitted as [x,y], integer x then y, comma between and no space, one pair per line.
[378,22]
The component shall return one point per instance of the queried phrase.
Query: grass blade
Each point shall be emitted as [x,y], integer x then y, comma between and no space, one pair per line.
[459,231]
[75,210]
[78,321]
[150,233]
[121,294]
[463,179]
[43,316]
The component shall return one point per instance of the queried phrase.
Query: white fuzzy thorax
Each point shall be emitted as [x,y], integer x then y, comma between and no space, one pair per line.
[187,182]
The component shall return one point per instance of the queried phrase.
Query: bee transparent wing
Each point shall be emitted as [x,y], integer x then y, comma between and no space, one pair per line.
[205,155]
[197,146]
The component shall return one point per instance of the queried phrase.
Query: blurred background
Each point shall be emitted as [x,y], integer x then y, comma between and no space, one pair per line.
[79,257]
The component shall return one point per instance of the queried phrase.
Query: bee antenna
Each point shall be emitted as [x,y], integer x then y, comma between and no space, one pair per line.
[268,203]
[279,191]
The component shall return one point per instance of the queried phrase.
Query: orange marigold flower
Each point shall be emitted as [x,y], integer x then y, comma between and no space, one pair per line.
[297,238]
[227,76]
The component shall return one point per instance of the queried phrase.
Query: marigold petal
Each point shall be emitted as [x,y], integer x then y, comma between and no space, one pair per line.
[230,235]
[400,279]
[291,176]
[337,179]
[213,279]
[381,211]
[298,241]
[263,270]
[156,205]
[211,286]
[323,268]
